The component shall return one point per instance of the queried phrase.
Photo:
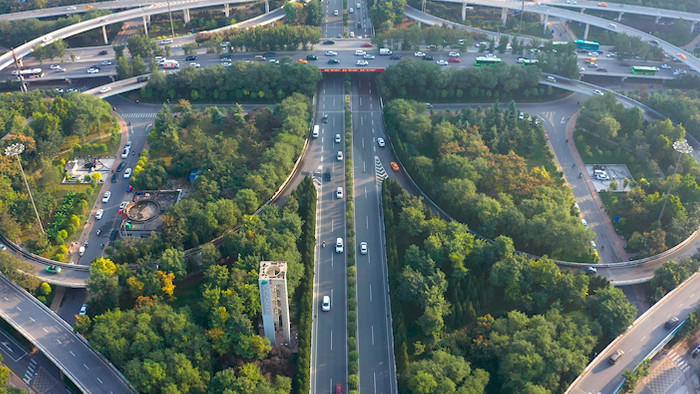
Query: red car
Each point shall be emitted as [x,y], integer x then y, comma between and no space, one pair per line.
[366,45]
[339,388]
[454,60]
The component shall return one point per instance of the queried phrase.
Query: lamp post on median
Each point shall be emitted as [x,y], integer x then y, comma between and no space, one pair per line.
[682,147]
[16,150]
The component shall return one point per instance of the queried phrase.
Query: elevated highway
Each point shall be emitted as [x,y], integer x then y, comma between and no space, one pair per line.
[622,9]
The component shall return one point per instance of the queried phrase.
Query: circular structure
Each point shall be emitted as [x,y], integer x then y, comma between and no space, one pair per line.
[142,211]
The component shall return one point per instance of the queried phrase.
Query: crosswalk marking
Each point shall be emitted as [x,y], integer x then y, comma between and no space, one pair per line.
[134,115]
[679,361]
[380,172]
[549,115]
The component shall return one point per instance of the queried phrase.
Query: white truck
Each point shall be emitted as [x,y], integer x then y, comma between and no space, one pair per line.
[385,51]
[170,64]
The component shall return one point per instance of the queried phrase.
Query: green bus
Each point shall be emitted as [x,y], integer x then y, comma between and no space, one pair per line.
[644,70]
[529,62]
[582,44]
[482,60]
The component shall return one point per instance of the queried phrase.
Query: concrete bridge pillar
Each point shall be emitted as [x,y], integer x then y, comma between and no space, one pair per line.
[226,10]
[267,6]
[464,11]
[619,16]
[186,15]
[544,23]
[692,26]
[585,32]
[145,25]
[423,4]
[104,34]
[504,16]
[583,10]
[658,18]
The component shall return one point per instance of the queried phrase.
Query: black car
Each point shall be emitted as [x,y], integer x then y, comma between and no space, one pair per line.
[225,56]
[102,53]
[113,235]
[395,57]
[142,79]
[311,57]
[359,25]
[191,57]
[120,166]
[333,61]
[602,70]
[672,322]
[114,178]
[327,176]
[428,57]
[329,42]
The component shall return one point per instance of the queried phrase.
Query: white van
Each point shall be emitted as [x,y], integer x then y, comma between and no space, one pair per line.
[316,131]
[551,79]
[166,41]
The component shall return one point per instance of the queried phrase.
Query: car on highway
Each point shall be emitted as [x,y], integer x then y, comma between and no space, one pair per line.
[395,166]
[106,62]
[441,62]
[665,66]
[615,356]
[368,56]
[2,246]
[114,178]
[311,57]
[71,8]
[191,58]
[590,270]
[366,45]
[195,65]
[106,196]
[333,61]
[454,60]
[105,89]
[395,57]
[360,52]
[335,12]
[339,192]
[601,4]
[363,247]
[339,245]
[339,386]
[418,54]
[453,54]
[598,93]
[328,42]
[331,53]
[99,214]
[428,57]
[362,63]
[672,322]
[54,66]
[327,176]
[125,153]
[83,310]
[101,53]
[127,173]
[54,269]
[225,56]
[92,70]
[325,118]
[339,156]
[381,142]
[326,304]
[302,61]
[141,79]
[682,56]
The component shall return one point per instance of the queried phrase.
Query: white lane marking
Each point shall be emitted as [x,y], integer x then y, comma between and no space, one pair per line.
[45,330]
[370,293]
[32,319]
[86,367]
[367,217]
[6,299]
[100,380]
[372,335]
[563,120]
[363,142]
[18,308]
[71,353]
[331,339]
[332,229]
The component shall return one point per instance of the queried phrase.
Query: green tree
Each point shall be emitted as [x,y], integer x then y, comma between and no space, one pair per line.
[610,308]
[445,373]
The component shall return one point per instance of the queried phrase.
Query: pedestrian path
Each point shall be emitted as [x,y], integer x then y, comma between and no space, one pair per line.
[139,115]
[679,361]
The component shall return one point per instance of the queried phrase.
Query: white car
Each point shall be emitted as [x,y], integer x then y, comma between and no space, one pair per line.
[71,8]
[665,66]
[337,138]
[106,196]
[339,192]
[326,304]
[127,173]
[99,213]
[106,62]
[362,63]
[227,64]
[47,39]
[380,142]
[419,54]
[441,62]
[363,247]
[339,157]
[125,153]
[128,144]
[195,65]
[92,70]
[368,56]
[105,89]
[54,66]
[453,54]
[60,69]
[123,204]
[339,245]
[360,52]
[335,12]
[83,310]
[159,59]
[598,92]
[331,53]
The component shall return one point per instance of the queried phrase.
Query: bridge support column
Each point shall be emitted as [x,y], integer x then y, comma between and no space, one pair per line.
[658,18]
[104,34]
[504,16]
[186,15]
[585,32]
[583,10]
[267,6]
[145,25]
[423,4]
[464,11]
[544,24]
[622,80]
[692,26]
[619,16]
[226,10]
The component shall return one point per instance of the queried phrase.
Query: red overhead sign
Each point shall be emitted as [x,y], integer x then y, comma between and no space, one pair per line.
[351,70]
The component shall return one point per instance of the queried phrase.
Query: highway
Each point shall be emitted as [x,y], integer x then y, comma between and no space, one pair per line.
[370,164]
[55,338]
[625,8]
[329,339]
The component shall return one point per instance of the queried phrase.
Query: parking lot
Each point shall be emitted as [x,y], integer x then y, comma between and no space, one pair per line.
[602,175]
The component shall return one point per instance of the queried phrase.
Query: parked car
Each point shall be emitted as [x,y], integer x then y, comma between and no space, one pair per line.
[125,153]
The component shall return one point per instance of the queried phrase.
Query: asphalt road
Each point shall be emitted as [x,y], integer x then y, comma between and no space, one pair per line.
[329,342]
[370,163]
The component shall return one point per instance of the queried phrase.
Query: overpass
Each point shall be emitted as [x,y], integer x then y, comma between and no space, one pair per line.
[622,9]
[88,370]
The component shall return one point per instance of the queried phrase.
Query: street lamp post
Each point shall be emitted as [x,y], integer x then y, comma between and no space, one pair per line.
[16,150]
[682,147]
